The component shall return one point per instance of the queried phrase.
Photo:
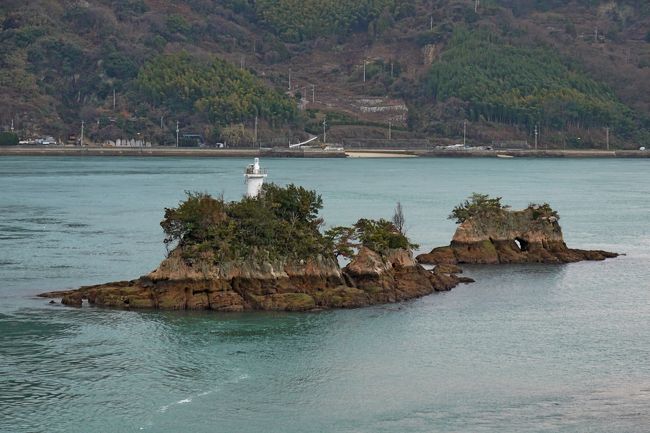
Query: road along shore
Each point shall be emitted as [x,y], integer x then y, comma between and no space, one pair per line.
[310,153]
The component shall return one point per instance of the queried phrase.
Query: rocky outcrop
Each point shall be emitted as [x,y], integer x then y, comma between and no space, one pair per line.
[532,235]
[281,285]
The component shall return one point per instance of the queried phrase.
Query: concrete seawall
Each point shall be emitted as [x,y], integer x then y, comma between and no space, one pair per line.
[538,153]
[309,153]
[164,152]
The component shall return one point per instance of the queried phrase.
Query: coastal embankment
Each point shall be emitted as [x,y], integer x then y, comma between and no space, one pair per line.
[167,151]
[449,153]
[312,153]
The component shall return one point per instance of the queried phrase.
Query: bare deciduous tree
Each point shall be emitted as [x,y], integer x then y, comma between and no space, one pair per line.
[398,218]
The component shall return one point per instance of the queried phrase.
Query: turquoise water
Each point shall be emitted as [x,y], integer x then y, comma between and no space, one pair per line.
[524,349]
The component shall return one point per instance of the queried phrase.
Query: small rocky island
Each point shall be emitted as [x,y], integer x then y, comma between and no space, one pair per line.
[266,252]
[491,233]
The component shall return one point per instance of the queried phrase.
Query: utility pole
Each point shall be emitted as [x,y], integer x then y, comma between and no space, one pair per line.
[177,131]
[390,130]
[81,141]
[289,78]
[464,133]
[113,98]
[12,124]
[431,23]
[256,130]
[364,70]
[536,132]
[324,131]
[313,94]
[161,122]
[607,136]
[391,68]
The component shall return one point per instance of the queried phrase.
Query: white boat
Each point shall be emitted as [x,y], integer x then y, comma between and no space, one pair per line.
[503,155]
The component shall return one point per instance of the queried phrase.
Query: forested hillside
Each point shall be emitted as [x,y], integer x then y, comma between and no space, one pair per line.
[525,86]
[215,90]
[127,68]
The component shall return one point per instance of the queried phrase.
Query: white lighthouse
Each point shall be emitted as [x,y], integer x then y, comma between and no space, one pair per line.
[254,178]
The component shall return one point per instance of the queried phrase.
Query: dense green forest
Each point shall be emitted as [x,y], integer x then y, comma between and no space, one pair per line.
[523,7]
[522,85]
[297,20]
[216,88]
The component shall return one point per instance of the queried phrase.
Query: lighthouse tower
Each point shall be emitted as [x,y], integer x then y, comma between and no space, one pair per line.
[254,178]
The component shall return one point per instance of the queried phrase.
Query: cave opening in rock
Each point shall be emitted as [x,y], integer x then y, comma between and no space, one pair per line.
[522,244]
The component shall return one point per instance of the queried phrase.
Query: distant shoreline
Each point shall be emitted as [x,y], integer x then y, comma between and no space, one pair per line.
[354,153]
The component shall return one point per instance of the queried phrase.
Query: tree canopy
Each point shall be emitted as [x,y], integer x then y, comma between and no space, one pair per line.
[214,87]
[8,139]
[280,222]
[483,205]
[298,20]
[476,204]
[379,235]
[522,85]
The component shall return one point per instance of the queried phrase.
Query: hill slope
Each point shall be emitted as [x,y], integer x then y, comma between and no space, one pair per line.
[129,67]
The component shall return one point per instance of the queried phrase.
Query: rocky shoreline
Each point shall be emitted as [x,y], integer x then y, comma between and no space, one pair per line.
[531,235]
[266,253]
[369,153]
[370,278]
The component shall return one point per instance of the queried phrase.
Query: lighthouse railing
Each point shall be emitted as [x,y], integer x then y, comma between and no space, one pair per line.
[251,170]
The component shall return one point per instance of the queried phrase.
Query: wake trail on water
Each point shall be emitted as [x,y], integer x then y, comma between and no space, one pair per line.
[187,400]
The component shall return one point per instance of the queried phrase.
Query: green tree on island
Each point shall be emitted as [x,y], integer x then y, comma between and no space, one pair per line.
[476,204]
[482,205]
[282,222]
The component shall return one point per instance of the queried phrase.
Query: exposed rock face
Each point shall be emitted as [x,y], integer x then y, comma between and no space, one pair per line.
[525,236]
[369,279]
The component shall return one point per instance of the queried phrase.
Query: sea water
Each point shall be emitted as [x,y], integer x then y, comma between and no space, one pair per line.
[526,348]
